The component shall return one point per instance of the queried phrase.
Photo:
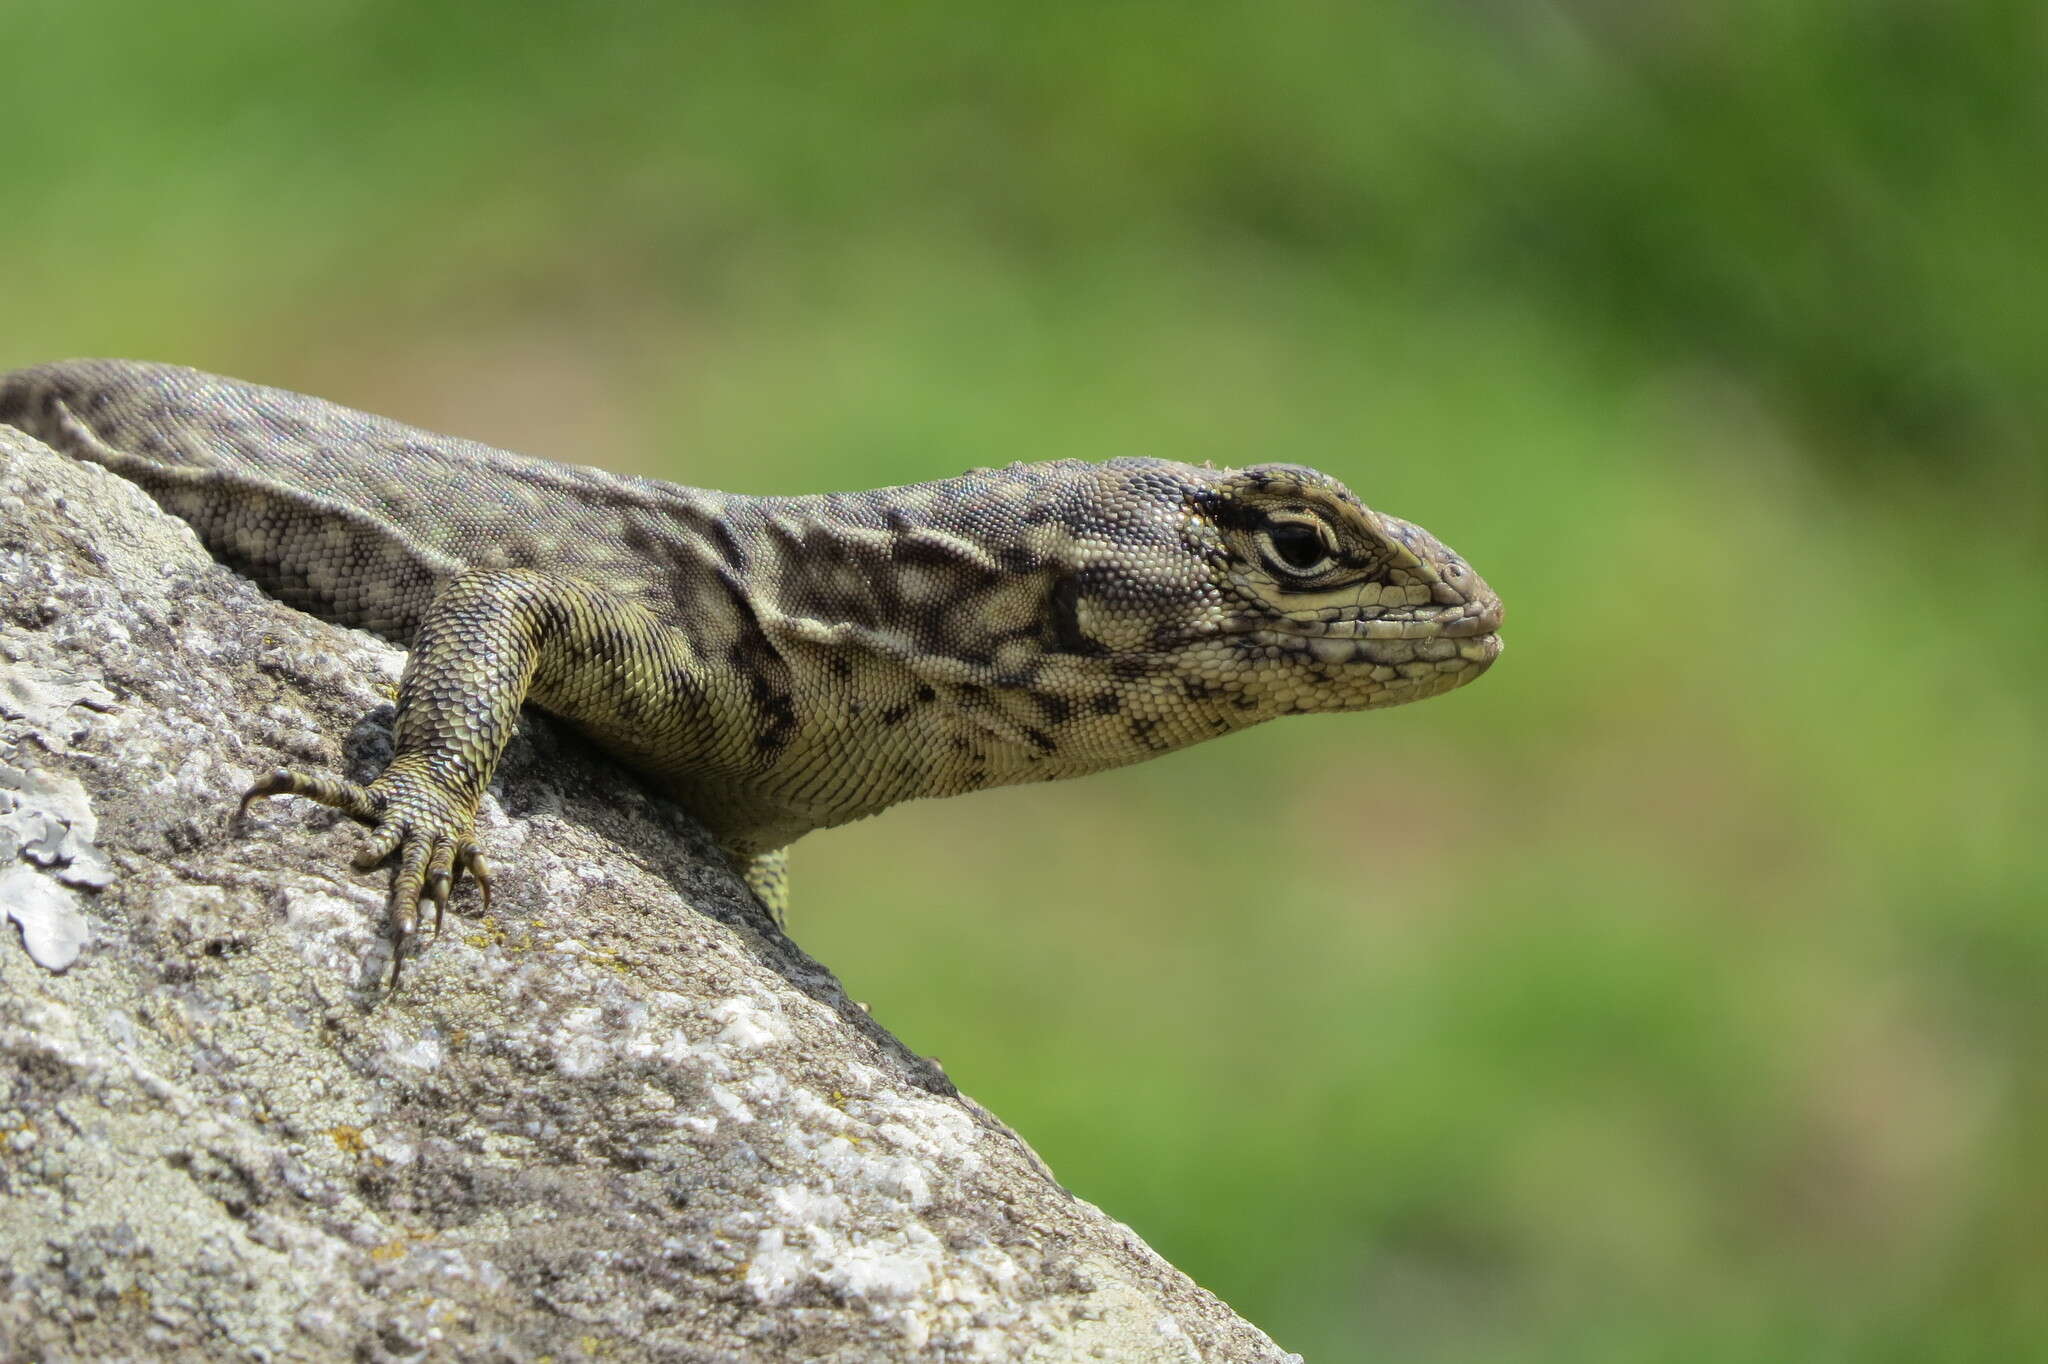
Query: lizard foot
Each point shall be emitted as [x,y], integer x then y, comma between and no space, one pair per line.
[428,826]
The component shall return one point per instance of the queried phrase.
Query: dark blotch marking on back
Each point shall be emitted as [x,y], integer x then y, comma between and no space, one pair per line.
[730,546]
[1017,560]
[926,694]
[895,715]
[812,595]
[1106,703]
[640,538]
[1056,709]
[841,668]
[1041,741]
[1141,730]
[961,572]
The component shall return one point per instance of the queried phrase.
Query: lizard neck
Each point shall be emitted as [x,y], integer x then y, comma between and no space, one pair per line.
[924,642]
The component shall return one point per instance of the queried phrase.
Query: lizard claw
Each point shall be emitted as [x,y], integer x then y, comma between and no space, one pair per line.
[411,815]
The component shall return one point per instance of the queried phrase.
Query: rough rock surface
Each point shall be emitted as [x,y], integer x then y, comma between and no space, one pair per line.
[621,1117]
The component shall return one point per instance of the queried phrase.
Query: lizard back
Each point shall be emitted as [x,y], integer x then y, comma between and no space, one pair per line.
[353,516]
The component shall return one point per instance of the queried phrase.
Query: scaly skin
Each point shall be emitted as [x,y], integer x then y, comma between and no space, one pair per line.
[778,664]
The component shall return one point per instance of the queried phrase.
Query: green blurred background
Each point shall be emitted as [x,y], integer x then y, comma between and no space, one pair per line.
[1678,992]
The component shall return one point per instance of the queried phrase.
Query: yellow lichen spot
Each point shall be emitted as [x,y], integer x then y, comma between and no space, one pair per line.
[136,1296]
[349,1139]
[399,1246]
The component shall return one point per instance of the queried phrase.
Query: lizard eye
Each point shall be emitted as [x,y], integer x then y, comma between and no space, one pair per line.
[1297,549]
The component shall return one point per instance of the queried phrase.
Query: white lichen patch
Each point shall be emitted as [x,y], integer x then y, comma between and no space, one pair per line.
[51,917]
[578,1045]
[920,1127]
[331,931]
[423,1054]
[750,1024]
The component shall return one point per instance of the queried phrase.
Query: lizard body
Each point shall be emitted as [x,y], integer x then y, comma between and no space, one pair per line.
[779,664]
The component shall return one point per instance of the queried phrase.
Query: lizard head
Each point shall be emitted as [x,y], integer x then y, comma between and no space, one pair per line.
[1272,588]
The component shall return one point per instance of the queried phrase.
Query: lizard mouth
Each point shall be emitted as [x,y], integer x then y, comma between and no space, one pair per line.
[1469,620]
[1461,640]
[1450,653]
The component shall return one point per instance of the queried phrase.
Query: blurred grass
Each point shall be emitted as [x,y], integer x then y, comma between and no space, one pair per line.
[1677,992]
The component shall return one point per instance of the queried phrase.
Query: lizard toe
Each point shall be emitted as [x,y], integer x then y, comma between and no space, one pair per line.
[345,796]
[407,889]
[440,879]
[384,842]
[470,858]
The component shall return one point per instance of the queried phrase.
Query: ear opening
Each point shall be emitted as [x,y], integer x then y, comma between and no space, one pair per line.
[1063,616]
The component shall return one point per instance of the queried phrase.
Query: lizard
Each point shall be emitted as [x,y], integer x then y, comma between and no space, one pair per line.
[775,664]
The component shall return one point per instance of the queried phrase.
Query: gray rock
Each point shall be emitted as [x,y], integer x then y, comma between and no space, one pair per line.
[620,1117]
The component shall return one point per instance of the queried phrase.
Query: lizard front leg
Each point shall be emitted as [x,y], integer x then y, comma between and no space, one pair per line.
[489,641]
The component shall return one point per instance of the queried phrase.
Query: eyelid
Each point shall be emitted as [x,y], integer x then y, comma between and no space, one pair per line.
[1291,517]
